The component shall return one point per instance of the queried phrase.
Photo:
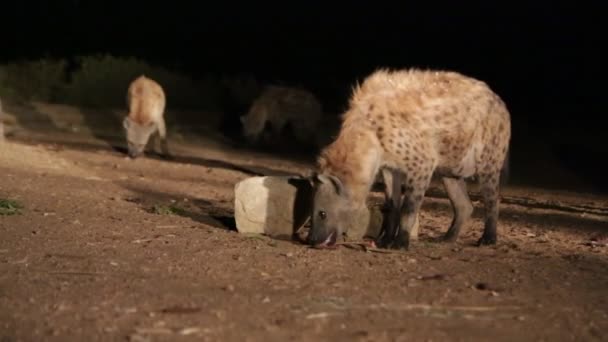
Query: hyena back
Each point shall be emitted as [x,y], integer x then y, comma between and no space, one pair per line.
[279,106]
[146,102]
[413,124]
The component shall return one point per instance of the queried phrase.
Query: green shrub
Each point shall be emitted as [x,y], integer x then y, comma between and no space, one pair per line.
[39,80]
[103,80]
[9,207]
[100,81]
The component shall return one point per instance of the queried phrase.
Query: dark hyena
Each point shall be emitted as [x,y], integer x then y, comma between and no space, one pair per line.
[413,124]
[279,106]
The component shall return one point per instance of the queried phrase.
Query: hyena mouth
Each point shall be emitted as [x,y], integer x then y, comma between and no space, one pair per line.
[330,242]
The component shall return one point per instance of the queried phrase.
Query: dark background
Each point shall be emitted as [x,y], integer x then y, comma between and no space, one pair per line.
[543,57]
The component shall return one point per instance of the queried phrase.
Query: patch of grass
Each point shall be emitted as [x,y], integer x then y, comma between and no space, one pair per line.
[9,207]
[172,209]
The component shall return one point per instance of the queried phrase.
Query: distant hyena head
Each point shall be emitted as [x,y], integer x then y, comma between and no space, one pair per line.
[332,211]
[253,123]
[137,136]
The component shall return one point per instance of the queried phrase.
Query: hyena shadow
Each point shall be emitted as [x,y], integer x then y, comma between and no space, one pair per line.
[199,210]
[250,170]
[514,216]
[106,125]
[30,118]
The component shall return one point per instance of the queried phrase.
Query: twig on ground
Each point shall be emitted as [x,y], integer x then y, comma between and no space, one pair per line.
[367,247]
[75,273]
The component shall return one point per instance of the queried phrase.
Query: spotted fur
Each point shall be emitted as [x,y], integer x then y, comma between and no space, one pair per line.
[416,123]
[146,102]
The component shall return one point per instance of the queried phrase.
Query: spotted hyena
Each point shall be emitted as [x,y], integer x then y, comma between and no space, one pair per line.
[279,106]
[146,102]
[413,124]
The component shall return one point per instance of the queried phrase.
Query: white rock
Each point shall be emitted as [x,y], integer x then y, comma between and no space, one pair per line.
[274,206]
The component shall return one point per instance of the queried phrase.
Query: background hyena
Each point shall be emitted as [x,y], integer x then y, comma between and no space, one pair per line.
[146,102]
[279,106]
[414,124]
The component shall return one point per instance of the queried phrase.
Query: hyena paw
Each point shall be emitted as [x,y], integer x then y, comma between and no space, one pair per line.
[399,242]
[449,238]
[486,240]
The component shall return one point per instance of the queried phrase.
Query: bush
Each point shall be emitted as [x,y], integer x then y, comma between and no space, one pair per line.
[102,81]
[99,81]
[40,80]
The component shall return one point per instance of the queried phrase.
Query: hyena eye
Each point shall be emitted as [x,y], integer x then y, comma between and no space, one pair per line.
[322,214]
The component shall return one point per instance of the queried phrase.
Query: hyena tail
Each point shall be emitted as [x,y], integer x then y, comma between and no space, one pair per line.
[504,172]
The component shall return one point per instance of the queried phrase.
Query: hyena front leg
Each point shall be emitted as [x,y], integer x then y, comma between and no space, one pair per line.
[410,209]
[489,185]
[162,138]
[392,207]
[388,176]
[461,205]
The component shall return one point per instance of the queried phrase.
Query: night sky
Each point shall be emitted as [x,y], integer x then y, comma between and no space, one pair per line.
[544,58]
[523,51]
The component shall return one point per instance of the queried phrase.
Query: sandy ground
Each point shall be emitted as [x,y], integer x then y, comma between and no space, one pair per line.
[90,257]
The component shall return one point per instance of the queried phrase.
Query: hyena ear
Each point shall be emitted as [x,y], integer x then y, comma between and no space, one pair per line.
[337,184]
[318,178]
[313,178]
[329,179]
[126,122]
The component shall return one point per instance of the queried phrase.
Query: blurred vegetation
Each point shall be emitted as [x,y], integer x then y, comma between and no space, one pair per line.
[39,80]
[100,81]
[9,207]
[172,209]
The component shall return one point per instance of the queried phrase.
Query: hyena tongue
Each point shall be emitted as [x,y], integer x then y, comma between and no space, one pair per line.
[371,244]
[330,242]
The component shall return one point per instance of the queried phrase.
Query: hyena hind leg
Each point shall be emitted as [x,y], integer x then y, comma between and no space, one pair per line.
[162,139]
[461,206]
[489,185]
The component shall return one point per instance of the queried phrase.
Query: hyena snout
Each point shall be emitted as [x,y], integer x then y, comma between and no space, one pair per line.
[322,237]
[325,228]
[137,136]
[135,150]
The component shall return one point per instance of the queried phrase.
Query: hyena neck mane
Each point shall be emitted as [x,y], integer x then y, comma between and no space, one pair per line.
[353,158]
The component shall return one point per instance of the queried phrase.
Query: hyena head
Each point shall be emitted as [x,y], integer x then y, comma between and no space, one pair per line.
[254,122]
[137,136]
[332,211]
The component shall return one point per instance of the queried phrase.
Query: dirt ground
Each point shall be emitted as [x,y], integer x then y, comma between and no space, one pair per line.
[92,257]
